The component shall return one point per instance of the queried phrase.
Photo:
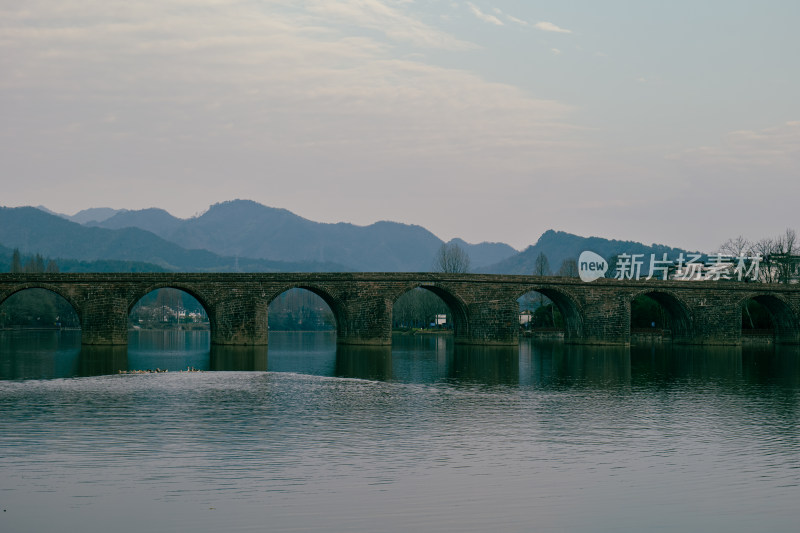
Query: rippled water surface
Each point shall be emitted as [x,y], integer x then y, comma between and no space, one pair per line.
[422,436]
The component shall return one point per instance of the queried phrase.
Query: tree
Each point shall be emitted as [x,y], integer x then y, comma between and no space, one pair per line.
[568,268]
[38,308]
[738,247]
[741,251]
[452,259]
[786,261]
[418,308]
[547,316]
[541,266]
[16,261]
[300,310]
[766,247]
[779,260]
[534,301]
[612,266]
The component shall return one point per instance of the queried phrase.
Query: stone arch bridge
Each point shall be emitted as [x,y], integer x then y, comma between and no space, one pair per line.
[484,307]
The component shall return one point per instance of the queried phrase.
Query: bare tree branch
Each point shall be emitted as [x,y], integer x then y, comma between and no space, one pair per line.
[541,267]
[737,247]
[568,268]
[451,258]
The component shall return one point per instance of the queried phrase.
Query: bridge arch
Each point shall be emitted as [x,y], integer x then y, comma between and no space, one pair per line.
[678,312]
[336,306]
[458,309]
[189,289]
[55,289]
[140,293]
[566,304]
[784,318]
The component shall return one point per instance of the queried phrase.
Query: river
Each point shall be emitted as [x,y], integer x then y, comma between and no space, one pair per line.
[420,436]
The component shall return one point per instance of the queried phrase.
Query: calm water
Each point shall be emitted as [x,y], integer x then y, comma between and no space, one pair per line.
[418,437]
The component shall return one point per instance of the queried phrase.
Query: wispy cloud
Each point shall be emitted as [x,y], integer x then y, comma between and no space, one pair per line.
[543,26]
[486,17]
[775,147]
[383,17]
[278,83]
[549,26]
[515,20]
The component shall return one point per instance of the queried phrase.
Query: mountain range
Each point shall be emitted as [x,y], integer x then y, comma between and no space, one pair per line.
[245,228]
[32,230]
[559,246]
[242,235]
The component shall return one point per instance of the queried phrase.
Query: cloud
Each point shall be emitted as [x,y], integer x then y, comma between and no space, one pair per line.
[555,51]
[491,19]
[549,26]
[249,83]
[544,26]
[776,148]
[394,23]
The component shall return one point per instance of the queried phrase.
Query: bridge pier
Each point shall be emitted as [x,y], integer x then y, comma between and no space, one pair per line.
[240,320]
[104,320]
[606,319]
[363,319]
[492,323]
[716,320]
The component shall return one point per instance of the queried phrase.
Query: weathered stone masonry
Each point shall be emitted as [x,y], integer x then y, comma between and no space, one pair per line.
[484,307]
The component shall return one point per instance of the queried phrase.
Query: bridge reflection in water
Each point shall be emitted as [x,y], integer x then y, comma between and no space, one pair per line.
[411,359]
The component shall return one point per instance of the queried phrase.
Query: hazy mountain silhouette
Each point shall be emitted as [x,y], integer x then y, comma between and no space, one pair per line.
[34,231]
[154,220]
[559,245]
[247,236]
[485,253]
[94,214]
[247,228]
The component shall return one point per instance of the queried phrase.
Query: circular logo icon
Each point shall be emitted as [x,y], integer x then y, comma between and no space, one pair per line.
[591,266]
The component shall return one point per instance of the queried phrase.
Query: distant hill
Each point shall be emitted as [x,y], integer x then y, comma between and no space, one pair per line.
[246,228]
[74,265]
[245,236]
[86,216]
[94,214]
[34,231]
[485,253]
[559,245]
[153,220]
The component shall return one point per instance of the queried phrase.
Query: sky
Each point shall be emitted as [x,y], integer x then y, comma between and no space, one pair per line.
[675,122]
